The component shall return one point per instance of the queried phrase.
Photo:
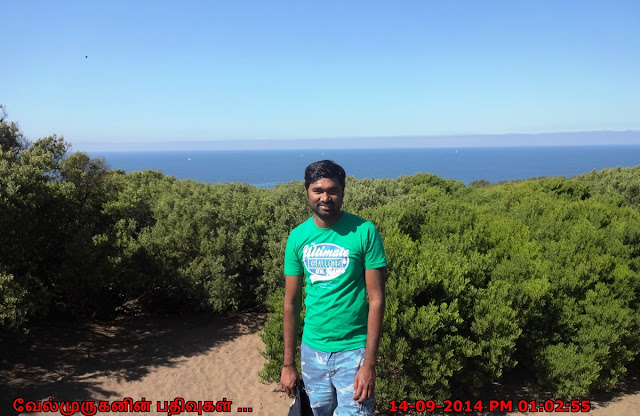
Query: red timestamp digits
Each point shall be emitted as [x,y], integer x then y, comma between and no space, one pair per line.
[432,406]
[468,406]
[556,406]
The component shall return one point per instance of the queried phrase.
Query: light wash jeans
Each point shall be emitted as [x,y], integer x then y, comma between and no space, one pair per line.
[328,379]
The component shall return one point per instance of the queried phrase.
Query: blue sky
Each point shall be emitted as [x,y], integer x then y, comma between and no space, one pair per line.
[196,71]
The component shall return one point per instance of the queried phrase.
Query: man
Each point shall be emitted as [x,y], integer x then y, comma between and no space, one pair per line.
[342,260]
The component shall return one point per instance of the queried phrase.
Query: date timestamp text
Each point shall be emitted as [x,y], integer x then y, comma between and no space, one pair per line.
[468,406]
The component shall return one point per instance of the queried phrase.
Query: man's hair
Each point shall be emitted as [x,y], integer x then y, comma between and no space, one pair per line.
[323,169]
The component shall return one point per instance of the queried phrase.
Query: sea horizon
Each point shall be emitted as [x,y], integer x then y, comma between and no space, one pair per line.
[267,168]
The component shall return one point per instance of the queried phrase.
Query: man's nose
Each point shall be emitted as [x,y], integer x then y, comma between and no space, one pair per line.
[324,197]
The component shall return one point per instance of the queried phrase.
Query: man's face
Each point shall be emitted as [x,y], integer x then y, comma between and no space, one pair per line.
[325,198]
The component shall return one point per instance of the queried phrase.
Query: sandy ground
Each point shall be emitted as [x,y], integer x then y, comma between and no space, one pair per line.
[194,357]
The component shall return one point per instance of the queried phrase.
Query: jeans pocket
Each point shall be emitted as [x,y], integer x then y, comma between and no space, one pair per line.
[367,407]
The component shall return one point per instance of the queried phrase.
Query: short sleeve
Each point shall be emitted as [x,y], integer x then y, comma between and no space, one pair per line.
[292,263]
[374,254]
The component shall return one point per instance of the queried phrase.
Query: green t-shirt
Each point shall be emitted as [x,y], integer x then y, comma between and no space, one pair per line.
[333,261]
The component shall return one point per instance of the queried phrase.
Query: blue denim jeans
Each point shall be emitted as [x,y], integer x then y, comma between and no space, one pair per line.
[328,378]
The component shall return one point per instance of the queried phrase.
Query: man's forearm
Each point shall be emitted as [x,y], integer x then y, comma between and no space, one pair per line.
[374,331]
[289,332]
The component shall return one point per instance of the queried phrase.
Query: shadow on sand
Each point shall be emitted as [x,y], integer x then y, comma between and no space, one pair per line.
[62,360]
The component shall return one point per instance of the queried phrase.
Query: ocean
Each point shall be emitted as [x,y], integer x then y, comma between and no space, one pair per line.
[267,168]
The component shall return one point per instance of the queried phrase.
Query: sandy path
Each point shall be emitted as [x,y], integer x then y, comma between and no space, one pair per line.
[193,357]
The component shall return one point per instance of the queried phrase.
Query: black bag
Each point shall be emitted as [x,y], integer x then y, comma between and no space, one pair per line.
[301,405]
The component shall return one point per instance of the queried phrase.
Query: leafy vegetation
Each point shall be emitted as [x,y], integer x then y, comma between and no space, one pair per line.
[540,275]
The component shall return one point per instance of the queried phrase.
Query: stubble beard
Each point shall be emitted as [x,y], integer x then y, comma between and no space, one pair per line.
[333,212]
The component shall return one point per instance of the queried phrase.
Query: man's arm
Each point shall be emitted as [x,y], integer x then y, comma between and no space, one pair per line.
[365,380]
[292,304]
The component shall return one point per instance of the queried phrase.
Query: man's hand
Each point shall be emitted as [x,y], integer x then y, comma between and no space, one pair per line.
[365,380]
[364,383]
[288,380]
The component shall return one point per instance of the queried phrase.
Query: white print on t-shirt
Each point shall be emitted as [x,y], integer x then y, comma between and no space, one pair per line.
[325,261]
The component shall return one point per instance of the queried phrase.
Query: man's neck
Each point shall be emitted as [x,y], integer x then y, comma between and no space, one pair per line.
[329,222]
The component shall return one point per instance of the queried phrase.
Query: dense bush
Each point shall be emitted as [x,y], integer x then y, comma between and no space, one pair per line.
[540,275]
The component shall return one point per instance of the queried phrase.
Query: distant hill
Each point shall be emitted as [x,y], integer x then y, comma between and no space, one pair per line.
[586,138]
